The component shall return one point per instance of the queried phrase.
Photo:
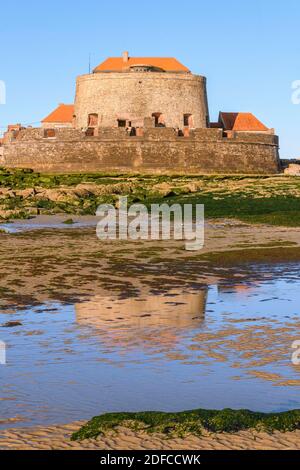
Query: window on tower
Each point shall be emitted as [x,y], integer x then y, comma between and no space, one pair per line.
[188,120]
[93,120]
[159,120]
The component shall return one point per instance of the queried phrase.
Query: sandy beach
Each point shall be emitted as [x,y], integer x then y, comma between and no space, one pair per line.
[58,438]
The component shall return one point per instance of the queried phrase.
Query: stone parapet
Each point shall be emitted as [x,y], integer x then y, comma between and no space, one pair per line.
[158,150]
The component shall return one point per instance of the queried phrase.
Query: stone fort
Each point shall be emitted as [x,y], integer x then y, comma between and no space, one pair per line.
[147,115]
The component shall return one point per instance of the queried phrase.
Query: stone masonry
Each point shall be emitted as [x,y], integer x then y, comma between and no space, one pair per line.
[158,150]
[132,96]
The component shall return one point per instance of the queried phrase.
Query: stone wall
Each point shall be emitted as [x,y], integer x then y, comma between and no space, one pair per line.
[131,96]
[159,150]
[51,125]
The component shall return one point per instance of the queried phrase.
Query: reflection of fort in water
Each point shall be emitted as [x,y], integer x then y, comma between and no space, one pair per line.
[153,318]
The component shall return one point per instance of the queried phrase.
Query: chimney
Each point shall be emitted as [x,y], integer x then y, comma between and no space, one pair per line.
[125,57]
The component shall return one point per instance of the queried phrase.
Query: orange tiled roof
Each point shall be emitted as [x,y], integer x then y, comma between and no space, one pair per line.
[63,113]
[117,64]
[241,122]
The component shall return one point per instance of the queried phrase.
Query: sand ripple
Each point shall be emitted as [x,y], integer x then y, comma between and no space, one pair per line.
[58,438]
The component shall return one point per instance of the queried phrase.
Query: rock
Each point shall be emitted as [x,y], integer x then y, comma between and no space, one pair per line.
[164,189]
[69,222]
[42,195]
[6,193]
[170,194]
[12,324]
[26,193]
[31,210]
[192,187]
[57,195]
[293,170]
[120,188]
[85,189]
[7,214]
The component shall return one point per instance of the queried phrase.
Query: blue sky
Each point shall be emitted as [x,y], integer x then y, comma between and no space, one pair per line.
[249,51]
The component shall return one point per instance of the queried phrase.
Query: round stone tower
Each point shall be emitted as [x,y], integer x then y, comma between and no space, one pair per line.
[121,92]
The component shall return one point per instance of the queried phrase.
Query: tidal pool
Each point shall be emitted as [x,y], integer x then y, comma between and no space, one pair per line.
[226,345]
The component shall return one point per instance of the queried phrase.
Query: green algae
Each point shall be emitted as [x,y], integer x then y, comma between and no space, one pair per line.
[190,422]
[273,200]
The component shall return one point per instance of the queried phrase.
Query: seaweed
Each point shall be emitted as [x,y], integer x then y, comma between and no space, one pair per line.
[190,422]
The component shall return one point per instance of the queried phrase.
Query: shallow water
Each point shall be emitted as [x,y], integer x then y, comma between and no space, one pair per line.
[42,222]
[215,347]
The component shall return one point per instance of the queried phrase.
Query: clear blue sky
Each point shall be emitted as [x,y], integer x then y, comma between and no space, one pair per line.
[249,51]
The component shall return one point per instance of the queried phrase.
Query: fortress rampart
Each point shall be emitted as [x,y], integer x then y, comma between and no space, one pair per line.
[155,150]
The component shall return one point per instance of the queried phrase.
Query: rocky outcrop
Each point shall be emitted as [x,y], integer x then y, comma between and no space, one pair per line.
[293,169]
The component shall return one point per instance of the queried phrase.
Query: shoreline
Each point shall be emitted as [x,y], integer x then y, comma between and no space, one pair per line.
[58,438]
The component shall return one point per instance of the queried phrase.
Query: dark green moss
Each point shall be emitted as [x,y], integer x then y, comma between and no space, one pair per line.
[249,199]
[69,222]
[191,422]
[273,210]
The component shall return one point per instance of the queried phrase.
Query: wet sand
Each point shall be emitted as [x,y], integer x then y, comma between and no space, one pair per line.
[47,262]
[66,264]
[58,438]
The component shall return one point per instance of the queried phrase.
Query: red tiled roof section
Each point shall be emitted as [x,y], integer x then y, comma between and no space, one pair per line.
[63,113]
[241,122]
[117,64]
